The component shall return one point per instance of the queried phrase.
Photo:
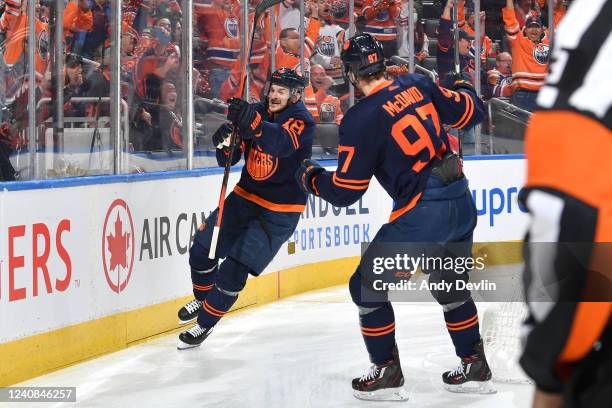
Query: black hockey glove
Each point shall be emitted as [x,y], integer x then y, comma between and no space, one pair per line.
[455,82]
[222,136]
[245,116]
[306,173]
[449,169]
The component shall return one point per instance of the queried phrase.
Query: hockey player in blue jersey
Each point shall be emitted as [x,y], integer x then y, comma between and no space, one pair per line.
[396,134]
[264,208]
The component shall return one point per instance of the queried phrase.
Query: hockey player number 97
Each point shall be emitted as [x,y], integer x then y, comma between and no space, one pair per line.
[424,139]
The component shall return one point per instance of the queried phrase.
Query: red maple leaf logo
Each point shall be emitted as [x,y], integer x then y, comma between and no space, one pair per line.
[118,245]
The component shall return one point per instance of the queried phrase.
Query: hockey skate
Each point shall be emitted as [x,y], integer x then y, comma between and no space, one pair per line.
[193,337]
[189,312]
[472,376]
[383,382]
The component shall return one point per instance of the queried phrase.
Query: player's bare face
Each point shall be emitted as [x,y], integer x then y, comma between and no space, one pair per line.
[278,98]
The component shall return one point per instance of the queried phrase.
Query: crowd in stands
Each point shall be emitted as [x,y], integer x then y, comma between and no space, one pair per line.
[514,53]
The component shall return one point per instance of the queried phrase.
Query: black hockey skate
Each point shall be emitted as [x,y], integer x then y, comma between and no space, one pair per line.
[193,337]
[383,382]
[189,312]
[472,376]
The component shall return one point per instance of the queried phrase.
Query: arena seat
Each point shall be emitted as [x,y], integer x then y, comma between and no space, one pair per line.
[431,27]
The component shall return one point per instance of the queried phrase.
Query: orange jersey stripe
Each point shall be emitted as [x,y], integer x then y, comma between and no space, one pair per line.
[299,208]
[349,186]
[399,212]
[350,181]
[470,112]
[469,109]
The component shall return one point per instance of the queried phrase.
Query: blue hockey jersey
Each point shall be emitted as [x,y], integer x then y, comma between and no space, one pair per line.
[272,157]
[396,134]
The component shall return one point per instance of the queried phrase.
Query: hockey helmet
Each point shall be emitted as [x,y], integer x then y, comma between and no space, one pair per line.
[363,55]
[288,78]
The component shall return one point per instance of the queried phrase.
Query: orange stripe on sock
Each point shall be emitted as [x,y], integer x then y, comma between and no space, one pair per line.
[463,322]
[207,310]
[212,310]
[378,334]
[199,287]
[377,329]
[463,327]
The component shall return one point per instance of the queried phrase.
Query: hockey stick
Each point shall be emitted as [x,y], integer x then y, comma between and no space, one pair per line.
[457,63]
[259,10]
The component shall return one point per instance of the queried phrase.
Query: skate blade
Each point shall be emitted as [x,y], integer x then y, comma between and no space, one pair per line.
[517,381]
[385,394]
[472,387]
[184,346]
[182,322]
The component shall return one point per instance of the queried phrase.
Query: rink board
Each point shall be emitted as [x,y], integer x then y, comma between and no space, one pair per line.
[88,266]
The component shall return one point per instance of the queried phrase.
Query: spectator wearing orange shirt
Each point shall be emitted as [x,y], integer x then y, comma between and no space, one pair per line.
[77,18]
[259,64]
[530,49]
[326,107]
[288,50]
[380,21]
[16,40]
[219,26]
[15,21]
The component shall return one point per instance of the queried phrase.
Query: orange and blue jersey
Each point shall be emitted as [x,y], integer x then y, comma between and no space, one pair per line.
[381,22]
[273,156]
[529,59]
[396,134]
[16,41]
[221,30]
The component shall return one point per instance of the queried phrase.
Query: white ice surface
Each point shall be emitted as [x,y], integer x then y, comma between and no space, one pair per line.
[299,352]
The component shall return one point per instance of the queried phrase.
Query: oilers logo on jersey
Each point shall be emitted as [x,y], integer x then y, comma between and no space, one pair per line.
[231,27]
[326,46]
[260,165]
[540,54]
[382,16]
[328,113]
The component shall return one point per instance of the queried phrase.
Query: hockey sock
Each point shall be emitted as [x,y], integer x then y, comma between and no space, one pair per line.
[203,271]
[232,276]
[462,325]
[378,330]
